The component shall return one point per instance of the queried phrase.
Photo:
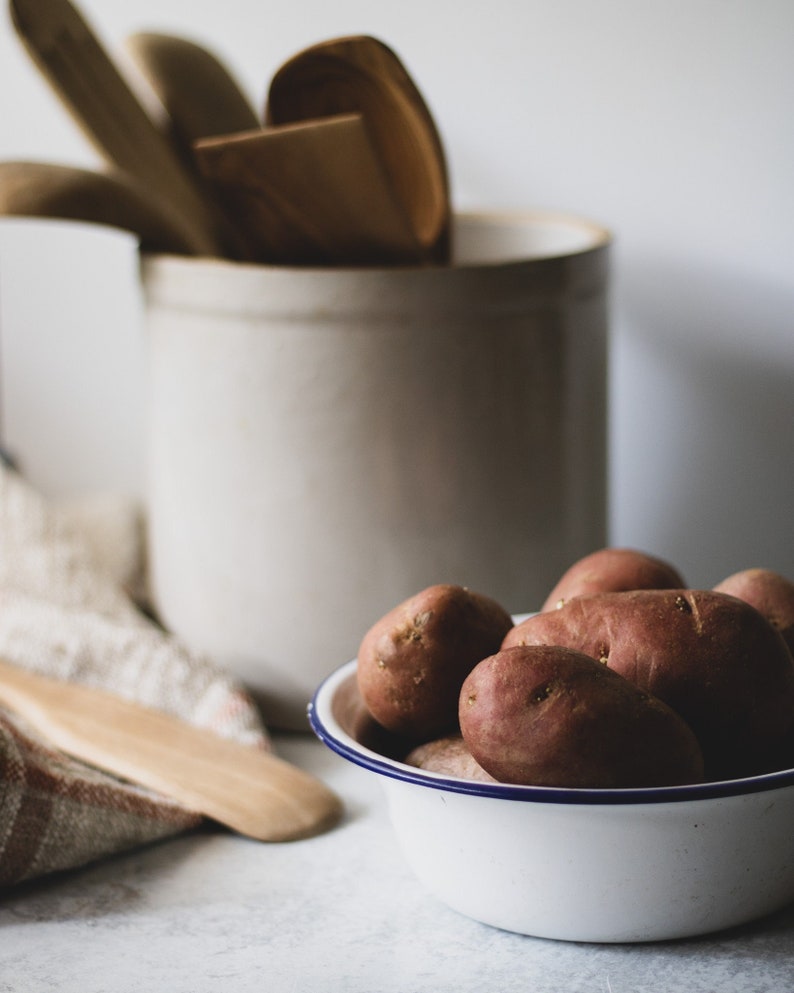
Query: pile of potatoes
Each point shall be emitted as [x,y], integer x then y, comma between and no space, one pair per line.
[625,678]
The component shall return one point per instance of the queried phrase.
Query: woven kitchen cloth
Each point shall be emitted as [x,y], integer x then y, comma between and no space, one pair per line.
[67,611]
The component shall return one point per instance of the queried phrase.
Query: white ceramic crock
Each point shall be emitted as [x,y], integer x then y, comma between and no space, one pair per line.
[580,865]
[324,443]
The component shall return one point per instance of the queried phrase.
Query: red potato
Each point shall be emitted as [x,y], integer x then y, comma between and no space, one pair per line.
[448,756]
[770,593]
[711,657]
[613,570]
[412,662]
[548,716]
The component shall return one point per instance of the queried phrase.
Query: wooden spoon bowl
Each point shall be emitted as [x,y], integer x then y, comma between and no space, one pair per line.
[200,95]
[362,75]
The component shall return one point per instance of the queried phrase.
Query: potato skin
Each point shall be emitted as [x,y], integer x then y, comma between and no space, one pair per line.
[711,657]
[770,593]
[412,662]
[613,570]
[448,756]
[549,716]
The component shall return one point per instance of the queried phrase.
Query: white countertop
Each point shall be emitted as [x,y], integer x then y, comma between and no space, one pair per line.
[340,913]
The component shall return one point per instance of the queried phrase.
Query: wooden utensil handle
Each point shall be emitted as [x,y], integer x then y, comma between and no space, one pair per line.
[71,58]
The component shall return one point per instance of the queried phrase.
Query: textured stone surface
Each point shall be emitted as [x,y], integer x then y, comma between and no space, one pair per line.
[341,912]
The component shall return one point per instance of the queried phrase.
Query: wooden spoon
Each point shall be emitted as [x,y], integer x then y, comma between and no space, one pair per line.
[246,789]
[43,189]
[201,97]
[73,61]
[362,75]
[313,193]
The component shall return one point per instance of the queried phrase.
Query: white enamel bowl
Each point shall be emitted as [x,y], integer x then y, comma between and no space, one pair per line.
[580,865]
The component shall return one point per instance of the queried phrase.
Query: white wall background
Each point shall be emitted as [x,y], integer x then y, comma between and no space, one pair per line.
[669,121]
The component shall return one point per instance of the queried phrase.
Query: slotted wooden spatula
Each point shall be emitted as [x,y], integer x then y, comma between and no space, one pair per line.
[248,790]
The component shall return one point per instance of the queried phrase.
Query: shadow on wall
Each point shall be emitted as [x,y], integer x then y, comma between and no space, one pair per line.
[703,419]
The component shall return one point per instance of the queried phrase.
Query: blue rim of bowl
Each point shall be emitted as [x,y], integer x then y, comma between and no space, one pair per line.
[337,740]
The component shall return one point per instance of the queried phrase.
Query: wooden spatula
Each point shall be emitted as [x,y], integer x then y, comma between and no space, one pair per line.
[71,58]
[314,193]
[248,790]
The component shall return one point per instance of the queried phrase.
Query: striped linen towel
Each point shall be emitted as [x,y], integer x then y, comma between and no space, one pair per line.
[70,576]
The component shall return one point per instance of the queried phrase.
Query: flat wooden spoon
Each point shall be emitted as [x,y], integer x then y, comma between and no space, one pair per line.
[199,93]
[362,75]
[44,189]
[313,193]
[71,58]
[248,790]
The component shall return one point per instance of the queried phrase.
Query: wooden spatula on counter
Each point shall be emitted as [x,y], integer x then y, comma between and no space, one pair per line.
[248,790]
[312,193]
[73,61]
